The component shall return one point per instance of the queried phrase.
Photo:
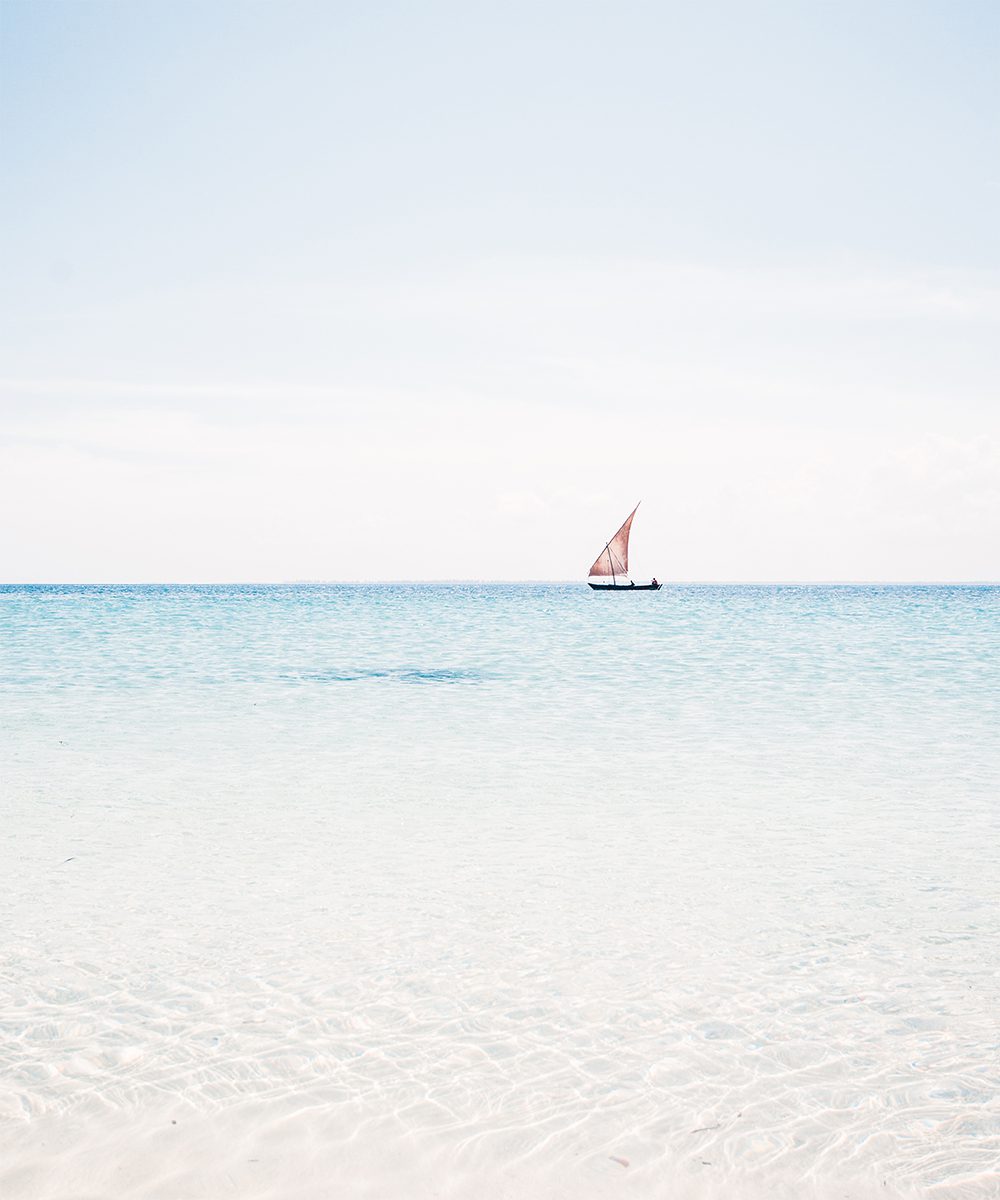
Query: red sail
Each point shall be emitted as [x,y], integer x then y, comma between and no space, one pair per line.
[613,559]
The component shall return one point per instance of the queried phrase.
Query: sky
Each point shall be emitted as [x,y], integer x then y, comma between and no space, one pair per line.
[338,291]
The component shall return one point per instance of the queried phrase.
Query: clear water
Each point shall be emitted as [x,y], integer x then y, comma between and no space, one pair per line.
[493,890]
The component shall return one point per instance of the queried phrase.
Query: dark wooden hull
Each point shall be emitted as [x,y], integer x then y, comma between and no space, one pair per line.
[626,587]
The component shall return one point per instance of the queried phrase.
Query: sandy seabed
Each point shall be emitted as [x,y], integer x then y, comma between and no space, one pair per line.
[313,1008]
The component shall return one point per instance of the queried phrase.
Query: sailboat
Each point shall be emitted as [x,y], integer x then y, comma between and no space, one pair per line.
[613,561]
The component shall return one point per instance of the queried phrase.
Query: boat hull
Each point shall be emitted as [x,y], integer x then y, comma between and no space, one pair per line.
[626,587]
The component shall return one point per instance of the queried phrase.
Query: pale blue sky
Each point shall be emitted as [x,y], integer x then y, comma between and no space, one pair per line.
[286,286]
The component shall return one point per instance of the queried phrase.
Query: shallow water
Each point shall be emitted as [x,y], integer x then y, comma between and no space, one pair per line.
[499,891]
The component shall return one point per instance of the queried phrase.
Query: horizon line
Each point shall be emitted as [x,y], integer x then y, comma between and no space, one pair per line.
[195,583]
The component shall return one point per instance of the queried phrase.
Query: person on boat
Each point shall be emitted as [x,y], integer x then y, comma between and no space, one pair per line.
[654,581]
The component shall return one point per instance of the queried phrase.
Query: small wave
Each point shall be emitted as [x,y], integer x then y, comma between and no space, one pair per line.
[399,675]
[443,675]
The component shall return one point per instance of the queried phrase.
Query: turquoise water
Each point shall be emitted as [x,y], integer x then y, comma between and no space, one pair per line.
[581,874]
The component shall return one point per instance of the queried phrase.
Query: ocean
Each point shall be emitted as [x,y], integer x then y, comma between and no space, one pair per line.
[499,890]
